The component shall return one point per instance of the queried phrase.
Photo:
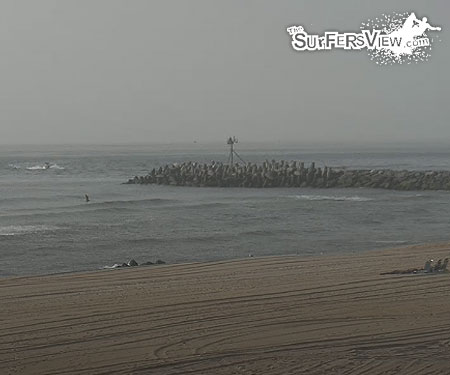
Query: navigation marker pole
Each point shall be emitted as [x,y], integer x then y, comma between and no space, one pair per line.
[232,141]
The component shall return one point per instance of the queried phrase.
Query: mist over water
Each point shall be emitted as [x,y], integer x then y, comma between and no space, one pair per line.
[47,227]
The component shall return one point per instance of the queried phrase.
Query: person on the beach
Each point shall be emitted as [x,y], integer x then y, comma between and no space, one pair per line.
[437,267]
[444,265]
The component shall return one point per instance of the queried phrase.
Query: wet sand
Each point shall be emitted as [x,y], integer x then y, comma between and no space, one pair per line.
[280,315]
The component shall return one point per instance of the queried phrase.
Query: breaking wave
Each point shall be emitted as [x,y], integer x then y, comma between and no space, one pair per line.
[37,167]
[392,241]
[14,230]
[331,198]
[44,167]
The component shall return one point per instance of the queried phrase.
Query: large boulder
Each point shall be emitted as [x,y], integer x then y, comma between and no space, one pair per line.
[132,263]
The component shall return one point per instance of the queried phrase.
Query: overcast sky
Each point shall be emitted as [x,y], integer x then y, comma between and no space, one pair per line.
[110,71]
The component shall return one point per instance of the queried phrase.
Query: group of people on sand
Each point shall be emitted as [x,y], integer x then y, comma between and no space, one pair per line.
[430,267]
[440,266]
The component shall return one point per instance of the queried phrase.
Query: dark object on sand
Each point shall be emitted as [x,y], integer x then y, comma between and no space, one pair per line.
[133,263]
[402,272]
[429,268]
[439,267]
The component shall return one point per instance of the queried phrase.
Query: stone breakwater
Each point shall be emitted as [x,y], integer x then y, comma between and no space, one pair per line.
[290,174]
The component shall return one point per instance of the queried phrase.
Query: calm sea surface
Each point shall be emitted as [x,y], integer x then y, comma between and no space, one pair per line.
[47,227]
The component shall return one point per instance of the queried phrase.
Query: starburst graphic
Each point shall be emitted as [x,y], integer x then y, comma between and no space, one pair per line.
[410,30]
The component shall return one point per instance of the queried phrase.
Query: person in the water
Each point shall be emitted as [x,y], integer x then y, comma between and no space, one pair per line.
[86,197]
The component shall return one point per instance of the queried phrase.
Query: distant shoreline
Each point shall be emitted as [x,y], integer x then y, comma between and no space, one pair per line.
[249,145]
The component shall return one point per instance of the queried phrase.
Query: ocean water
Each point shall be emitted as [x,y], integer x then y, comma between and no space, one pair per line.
[47,227]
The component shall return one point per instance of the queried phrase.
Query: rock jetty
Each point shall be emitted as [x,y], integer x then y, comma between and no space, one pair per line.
[291,174]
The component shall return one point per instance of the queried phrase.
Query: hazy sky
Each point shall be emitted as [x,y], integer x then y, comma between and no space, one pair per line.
[110,71]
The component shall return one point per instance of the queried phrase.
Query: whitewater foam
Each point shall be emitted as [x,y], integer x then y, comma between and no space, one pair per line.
[13,230]
[392,241]
[331,198]
[44,167]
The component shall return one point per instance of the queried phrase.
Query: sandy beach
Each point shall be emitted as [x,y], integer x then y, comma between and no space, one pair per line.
[280,315]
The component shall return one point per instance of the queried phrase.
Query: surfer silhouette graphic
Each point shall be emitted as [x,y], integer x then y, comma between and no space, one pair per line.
[423,26]
[413,27]
[411,30]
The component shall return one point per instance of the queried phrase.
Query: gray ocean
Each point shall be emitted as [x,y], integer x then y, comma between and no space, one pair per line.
[47,227]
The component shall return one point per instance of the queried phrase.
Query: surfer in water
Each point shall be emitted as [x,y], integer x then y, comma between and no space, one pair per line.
[46,165]
[86,197]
